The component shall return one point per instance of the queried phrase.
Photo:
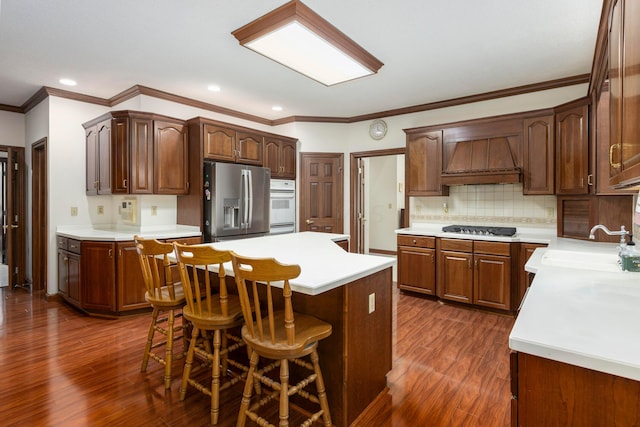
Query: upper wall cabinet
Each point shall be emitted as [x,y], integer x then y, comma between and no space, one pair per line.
[572,148]
[538,155]
[130,152]
[98,151]
[280,156]
[170,157]
[226,144]
[424,164]
[624,84]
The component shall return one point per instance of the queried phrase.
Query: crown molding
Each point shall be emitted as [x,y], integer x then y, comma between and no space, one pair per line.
[136,90]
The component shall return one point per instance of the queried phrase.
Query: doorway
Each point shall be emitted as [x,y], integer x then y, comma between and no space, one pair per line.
[377,197]
[39,214]
[12,212]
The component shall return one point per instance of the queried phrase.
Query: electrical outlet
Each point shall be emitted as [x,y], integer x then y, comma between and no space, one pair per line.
[100,210]
[154,210]
[372,303]
[74,211]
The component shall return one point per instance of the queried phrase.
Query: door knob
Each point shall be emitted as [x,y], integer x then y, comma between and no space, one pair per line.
[310,221]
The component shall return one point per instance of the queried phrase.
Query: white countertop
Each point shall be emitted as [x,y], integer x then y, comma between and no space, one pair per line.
[324,265]
[523,234]
[582,317]
[113,234]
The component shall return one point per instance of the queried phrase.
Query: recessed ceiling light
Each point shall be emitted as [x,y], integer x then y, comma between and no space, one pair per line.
[276,108]
[68,82]
[214,88]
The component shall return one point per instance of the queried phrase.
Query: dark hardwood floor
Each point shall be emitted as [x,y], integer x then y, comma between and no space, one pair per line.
[62,368]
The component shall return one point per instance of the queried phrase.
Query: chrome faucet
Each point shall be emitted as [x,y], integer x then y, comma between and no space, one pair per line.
[622,232]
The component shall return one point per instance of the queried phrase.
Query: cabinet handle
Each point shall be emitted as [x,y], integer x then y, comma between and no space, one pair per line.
[590,179]
[469,262]
[124,183]
[110,253]
[66,260]
[95,184]
[476,264]
[613,165]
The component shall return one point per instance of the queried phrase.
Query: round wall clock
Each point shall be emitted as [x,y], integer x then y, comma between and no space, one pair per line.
[377,129]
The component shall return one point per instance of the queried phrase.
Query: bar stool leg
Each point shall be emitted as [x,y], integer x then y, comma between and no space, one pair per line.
[215,378]
[322,395]
[147,348]
[168,357]
[284,393]
[188,362]
[248,387]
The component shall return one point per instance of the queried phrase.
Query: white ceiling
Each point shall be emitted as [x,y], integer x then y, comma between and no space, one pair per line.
[433,50]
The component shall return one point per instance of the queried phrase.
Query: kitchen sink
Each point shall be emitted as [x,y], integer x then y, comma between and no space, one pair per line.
[598,261]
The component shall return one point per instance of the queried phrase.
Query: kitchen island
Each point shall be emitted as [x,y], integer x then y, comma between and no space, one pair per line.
[350,291]
[576,339]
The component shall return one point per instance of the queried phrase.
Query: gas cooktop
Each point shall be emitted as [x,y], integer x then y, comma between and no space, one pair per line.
[480,230]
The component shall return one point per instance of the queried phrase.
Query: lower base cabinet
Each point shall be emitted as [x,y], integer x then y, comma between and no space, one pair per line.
[416,264]
[550,393]
[475,272]
[103,278]
[69,270]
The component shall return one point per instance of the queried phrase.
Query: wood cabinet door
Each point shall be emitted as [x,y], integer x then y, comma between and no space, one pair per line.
[417,269]
[141,149]
[625,62]
[272,156]
[249,148]
[171,158]
[288,161]
[104,157]
[572,150]
[91,147]
[74,278]
[524,277]
[219,143]
[424,165]
[130,284]
[120,155]
[492,281]
[455,276]
[63,281]
[539,155]
[98,282]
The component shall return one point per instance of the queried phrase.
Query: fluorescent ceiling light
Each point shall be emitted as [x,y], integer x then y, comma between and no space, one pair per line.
[302,40]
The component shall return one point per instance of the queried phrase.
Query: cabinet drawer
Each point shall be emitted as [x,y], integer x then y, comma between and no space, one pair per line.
[62,242]
[73,246]
[459,245]
[493,248]
[417,241]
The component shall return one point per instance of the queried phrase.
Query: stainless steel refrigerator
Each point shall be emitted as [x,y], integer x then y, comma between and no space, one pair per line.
[235,200]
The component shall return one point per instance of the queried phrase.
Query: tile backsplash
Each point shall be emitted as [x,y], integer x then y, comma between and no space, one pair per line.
[498,203]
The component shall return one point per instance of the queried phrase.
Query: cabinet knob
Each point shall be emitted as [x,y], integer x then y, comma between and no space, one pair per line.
[414,241]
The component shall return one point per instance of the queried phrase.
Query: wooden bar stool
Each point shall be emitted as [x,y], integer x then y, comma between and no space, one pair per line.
[164,297]
[209,311]
[281,335]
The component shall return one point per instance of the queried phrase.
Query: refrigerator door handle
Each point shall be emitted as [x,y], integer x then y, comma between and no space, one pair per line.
[245,198]
[250,198]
